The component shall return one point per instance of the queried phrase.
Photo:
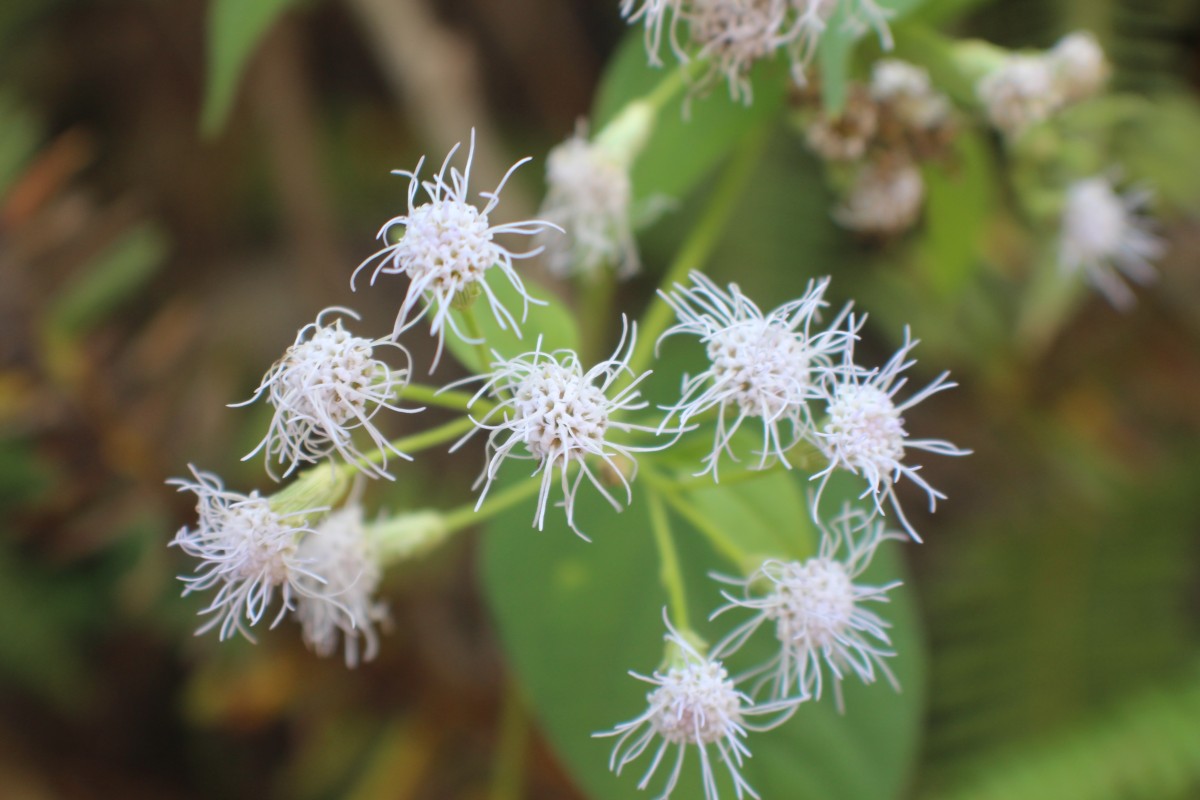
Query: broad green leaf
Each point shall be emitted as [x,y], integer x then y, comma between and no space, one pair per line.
[576,616]
[235,27]
[691,135]
[552,322]
[841,36]
[767,516]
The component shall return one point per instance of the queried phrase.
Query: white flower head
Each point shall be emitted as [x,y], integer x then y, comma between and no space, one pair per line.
[328,385]
[907,91]
[766,366]
[818,613]
[447,247]
[590,196]
[1022,91]
[892,78]
[1105,237]
[553,412]
[864,430]
[342,552]
[735,34]
[844,137]
[885,199]
[247,552]
[694,704]
[1079,66]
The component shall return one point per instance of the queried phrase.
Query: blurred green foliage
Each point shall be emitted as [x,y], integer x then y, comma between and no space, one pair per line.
[235,29]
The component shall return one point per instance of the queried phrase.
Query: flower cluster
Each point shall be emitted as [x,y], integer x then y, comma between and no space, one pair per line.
[803,384]
[783,387]
[821,625]
[1024,89]
[779,387]
[886,129]
[777,368]
[733,35]
[327,391]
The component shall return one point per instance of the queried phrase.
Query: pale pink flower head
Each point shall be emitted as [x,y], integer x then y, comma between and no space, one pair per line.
[248,552]
[694,705]
[885,199]
[1019,93]
[864,431]
[817,608]
[328,385]
[1079,66]
[590,196]
[551,411]
[343,553]
[1105,238]
[448,245]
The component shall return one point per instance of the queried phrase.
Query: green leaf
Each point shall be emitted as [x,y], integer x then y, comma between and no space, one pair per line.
[691,136]
[552,322]
[765,516]
[235,27]
[956,214]
[575,616]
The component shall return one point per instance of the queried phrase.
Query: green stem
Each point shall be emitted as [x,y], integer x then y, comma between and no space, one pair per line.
[717,537]
[700,242]
[480,345]
[669,573]
[466,516]
[595,295]
[673,83]
[458,401]
[420,441]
